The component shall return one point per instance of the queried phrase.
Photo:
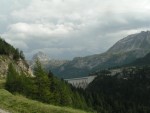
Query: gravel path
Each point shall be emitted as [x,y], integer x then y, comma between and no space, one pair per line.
[2,111]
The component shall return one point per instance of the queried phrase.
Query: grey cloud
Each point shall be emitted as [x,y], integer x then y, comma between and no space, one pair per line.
[69,28]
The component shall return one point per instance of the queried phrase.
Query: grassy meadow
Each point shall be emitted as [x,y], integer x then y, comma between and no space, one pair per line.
[20,104]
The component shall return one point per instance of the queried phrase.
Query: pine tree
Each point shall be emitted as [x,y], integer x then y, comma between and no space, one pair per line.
[12,81]
[65,95]
[42,83]
[22,55]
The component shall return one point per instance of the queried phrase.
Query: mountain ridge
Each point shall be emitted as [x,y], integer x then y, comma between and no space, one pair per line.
[135,41]
[122,52]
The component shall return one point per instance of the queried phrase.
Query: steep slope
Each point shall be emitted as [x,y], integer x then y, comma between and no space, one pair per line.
[123,52]
[141,61]
[8,54]
[140,41]
[126,92]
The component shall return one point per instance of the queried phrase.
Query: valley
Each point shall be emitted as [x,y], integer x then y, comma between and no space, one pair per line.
[74,56]
[111,82]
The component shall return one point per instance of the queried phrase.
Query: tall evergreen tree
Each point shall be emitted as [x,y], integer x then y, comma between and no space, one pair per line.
[42,83]
[12,81]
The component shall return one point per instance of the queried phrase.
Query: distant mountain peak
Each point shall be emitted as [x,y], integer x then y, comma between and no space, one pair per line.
[41,56]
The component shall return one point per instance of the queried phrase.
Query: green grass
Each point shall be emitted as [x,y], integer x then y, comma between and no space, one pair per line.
[2,83]
[20,104]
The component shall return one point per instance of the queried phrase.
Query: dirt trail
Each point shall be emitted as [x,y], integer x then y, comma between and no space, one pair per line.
[2,111]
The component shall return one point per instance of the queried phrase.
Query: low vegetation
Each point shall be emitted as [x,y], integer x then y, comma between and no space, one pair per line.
[20,104]
[2,83]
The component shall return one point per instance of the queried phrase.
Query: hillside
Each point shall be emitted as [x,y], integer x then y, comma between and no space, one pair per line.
[123,52]
[20,65]
[141,61]
[9,50]
[127,91]
[20,104]
[43,87]
[9,54]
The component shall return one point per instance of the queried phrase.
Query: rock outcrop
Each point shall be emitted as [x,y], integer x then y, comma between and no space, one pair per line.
[20,65]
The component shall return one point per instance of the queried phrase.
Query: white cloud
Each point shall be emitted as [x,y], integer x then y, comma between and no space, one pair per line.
[40,30]
[69,28]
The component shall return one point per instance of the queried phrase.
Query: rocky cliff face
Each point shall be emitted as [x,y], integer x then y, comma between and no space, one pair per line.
[20,65]
[124,51]
[9,54]
[4,62]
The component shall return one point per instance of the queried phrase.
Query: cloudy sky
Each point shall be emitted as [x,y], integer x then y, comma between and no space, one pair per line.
[69,28]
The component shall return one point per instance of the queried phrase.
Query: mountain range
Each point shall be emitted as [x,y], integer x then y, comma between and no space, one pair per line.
[122,52]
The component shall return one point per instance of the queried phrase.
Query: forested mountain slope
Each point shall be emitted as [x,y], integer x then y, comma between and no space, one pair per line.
[141,61]
[125,92]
